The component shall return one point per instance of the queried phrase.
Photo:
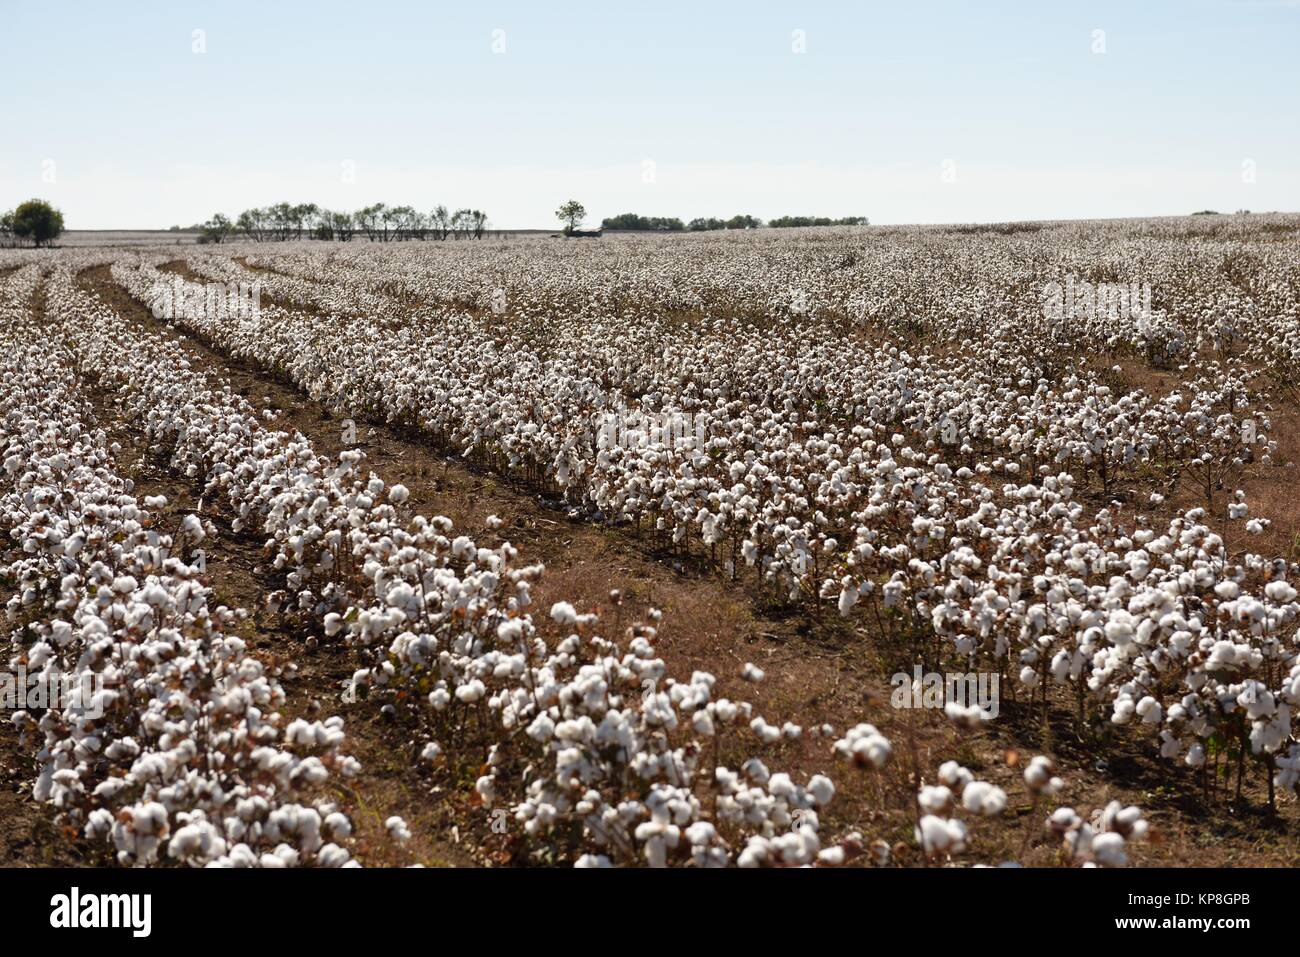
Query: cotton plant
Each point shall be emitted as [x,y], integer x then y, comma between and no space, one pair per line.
[172,749]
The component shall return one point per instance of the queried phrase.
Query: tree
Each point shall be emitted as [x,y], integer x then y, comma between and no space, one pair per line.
[342,226]
[464,222]
[369,220]
[478,222]
[633,221]
[7,237]
[441,222]
[571,214]
[702,224]
[302,216]
[216,230]
[38,221]
[253,223]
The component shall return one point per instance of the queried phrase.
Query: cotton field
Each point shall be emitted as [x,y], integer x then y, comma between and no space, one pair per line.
[639,551]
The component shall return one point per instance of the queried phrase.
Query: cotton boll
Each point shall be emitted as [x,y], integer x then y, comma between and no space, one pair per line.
[1280,592]
[865,746]
[939,836]
[1109,850]
[983,798]
[831,856]
[821,788]
[934,799]
[564,614]
[397,829]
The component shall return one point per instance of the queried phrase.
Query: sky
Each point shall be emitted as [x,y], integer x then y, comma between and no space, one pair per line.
[148,114]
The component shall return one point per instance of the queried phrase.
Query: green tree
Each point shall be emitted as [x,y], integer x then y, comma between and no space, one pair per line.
[38,221]
[216,230]
[571,214]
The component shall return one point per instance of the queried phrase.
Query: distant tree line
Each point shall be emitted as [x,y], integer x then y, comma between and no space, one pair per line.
[379,223]
[35,222]
[740,221]
[818,221]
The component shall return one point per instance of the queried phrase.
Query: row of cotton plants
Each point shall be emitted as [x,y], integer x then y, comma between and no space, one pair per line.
[162,741]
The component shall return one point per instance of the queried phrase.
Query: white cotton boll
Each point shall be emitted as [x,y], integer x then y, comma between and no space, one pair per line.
[593,860]
[431,752]
[1227,590]
[398,494]
[1063,819]
[564,614]
[542,728]
[1280,592]
[471,691]
[1029,677]
[397,829]
[938,836]
[1038,775]
[331,855]
[831,856]
[701,833]
[934,799]
[1195,756]
[865,746]
[767,733]
[981,797]
[821,788]
[1109,851]
[702,722]
[954,776]
[338,826]
[193,528]
[1149,710]
[752,672]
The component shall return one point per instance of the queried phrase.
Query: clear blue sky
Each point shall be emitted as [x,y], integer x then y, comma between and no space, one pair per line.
[110,101]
